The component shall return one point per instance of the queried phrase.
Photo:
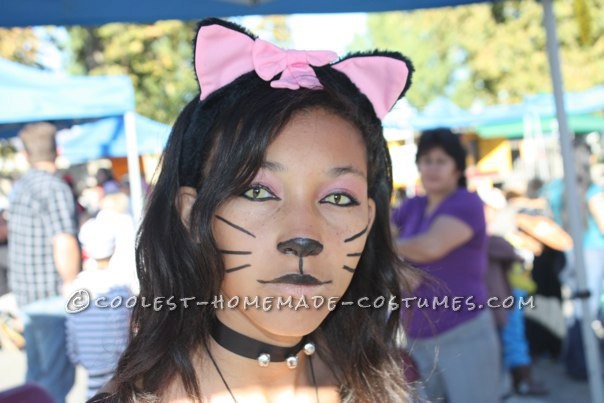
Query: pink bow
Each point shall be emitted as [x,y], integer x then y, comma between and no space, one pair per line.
[223,54]
[294,65]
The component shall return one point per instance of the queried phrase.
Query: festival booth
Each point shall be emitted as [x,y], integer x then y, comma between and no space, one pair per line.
[578,105]
[529,127]
[95,114]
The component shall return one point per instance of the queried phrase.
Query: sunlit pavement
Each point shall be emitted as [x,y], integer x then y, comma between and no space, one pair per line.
[562,389]
[12,368]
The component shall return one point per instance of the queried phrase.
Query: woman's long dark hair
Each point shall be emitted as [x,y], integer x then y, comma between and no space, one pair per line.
[217,146]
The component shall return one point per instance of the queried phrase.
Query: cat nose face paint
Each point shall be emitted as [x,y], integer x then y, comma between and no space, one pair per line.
[300,247]
[300,228]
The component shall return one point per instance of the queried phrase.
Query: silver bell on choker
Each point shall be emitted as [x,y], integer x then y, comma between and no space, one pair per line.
[292,362]
[264,359]
[309,348]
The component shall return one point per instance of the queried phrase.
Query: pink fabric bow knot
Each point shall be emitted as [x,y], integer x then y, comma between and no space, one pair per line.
[294,65]
[222,55]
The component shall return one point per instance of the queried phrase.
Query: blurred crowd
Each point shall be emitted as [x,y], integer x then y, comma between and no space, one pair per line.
[491,240]
[61,237]
[466,239]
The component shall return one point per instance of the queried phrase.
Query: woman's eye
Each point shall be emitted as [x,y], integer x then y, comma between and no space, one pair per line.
[340,199]
[259,193]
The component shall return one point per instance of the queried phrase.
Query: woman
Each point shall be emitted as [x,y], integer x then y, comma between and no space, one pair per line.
[451,334]
[274,186]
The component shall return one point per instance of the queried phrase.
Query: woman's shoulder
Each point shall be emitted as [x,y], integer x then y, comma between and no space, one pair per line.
[408,206]
[466,206]
[464,197]
[414,201]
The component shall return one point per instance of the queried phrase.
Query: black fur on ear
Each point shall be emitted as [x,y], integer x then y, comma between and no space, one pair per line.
[385,53]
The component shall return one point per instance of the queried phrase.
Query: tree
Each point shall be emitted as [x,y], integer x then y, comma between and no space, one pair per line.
[157,57]
[490,53]
[19,44]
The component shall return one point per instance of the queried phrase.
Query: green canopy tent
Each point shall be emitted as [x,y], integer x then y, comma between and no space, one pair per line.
[516,130]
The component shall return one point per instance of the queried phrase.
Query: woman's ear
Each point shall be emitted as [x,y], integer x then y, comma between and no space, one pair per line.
[371,211]
[184,202]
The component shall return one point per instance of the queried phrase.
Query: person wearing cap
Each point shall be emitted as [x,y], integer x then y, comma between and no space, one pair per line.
[97,335]
[44,257]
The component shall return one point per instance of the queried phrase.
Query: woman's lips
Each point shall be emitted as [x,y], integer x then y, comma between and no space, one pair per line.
[296,279]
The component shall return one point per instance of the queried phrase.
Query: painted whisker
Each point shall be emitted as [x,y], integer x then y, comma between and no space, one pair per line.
[235,252]
[237,268]
[355,236]
[348,269]
[237,227]
[354,254]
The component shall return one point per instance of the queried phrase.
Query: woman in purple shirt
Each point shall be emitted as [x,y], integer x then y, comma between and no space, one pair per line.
[452,335]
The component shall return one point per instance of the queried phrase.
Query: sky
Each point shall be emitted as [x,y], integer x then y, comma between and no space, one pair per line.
[321,31]
[309,32]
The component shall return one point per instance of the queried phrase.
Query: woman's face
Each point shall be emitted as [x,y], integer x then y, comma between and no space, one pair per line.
[299,229]
[438,171]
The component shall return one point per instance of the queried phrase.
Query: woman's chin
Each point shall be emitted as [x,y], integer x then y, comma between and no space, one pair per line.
[289,322]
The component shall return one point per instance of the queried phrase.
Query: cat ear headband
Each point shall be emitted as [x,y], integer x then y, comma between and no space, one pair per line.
[223,54]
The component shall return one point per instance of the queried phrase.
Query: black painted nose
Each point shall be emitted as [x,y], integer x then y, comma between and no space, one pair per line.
[300,247]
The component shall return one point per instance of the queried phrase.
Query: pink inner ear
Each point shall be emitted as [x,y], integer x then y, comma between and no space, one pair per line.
[381,78]
[221,55]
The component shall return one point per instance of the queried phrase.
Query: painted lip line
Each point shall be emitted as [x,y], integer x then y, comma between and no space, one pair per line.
[295,279]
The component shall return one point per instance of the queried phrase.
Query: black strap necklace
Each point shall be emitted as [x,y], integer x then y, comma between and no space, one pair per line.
[264,353]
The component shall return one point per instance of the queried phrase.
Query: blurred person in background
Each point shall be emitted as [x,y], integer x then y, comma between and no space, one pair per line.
[3,254]
[44,257]
[444,234]
[106,181]
[115,208]
[507,276]
[590,195]
[98,335]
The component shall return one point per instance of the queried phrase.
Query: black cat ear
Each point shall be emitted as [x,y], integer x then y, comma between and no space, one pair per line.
[383,77]
[217,42]
[227,24]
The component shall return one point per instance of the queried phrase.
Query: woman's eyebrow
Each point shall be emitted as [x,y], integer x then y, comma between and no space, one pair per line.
[339,171]
[334,172]
[273,166]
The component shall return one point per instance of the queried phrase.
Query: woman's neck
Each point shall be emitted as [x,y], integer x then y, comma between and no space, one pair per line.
[248,381]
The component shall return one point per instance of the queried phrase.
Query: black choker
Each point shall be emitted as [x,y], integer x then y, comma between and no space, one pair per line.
[256,350]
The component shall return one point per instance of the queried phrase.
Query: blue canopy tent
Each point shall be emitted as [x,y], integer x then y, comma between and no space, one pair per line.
[28,95]
[107,138]
[72,12]
[443,113]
